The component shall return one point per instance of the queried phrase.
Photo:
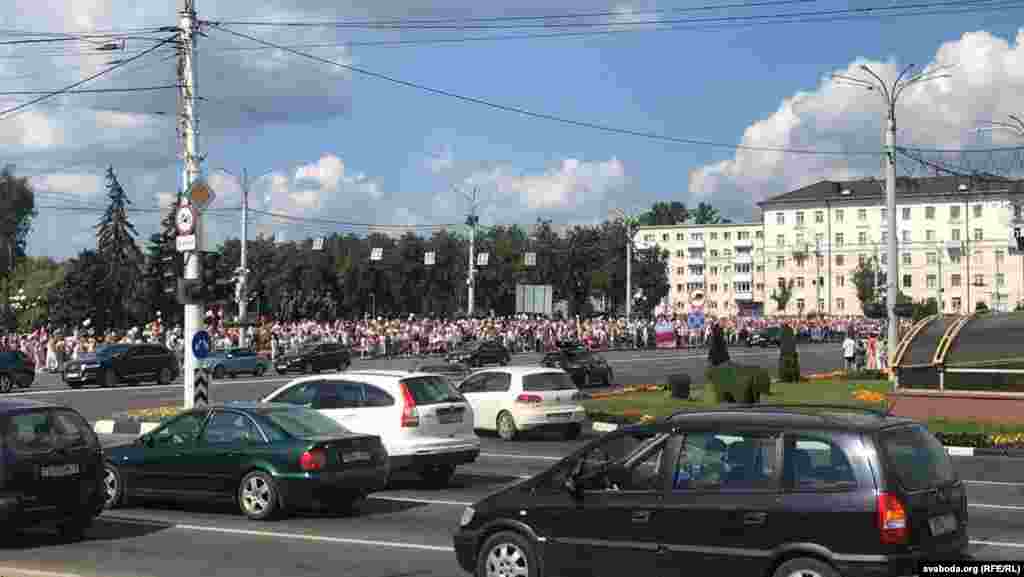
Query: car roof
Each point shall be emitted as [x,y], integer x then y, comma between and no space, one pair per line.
[383,375]
[848,418]
[16,404]
[252,406]
[519,370]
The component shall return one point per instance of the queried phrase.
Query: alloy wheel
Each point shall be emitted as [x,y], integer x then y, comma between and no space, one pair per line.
[805,573]
[111,487]
[256,495]
[507,560]
[6,384]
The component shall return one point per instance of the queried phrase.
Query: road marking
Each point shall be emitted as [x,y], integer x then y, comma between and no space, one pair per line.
[280,535]
[424,501]
[520,456]
[996,483]
[1002,507]
[17,572]
[998,544]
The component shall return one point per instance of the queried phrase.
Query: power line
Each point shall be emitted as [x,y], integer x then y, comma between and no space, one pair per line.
[348,224]
[91,90]
[540,115]
[9,111]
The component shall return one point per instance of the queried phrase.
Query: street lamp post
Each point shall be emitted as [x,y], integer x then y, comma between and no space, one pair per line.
[891,93]
[629,222]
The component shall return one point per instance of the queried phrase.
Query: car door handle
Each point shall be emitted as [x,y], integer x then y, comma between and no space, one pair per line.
[754,519]
[641,516]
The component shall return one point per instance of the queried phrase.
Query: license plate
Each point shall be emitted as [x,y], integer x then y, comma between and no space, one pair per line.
[942,524]
[56,471]
[356,456]
[448,418]
[74,375]
[559,416]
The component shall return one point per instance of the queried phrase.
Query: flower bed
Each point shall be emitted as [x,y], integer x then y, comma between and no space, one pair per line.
[982,440]
[150,415]
[626,390]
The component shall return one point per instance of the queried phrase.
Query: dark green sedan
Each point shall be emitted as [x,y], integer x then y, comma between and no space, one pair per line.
[268,458]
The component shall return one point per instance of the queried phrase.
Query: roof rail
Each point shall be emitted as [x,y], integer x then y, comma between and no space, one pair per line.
[835,406]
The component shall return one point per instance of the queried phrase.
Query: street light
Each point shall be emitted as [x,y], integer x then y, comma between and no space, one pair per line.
[629,221]
[891,93]
[1015,124]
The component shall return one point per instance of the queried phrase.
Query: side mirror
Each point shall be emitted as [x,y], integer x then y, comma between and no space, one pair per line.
[147,441]
[573,488]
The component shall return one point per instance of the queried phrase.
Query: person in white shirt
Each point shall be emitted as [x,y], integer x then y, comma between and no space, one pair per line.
[849,351]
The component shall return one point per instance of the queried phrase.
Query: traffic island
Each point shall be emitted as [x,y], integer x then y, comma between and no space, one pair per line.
[136,421]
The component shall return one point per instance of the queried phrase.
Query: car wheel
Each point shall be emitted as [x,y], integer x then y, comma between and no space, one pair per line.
[232,375]
[218,372]
[6,384]
[74,529]
[805,567]
[505,360]
[343,366]
[164,377]
[507,553]
[113,487]
[438,475]
[588,378]
[109,378]
[279,371]
[572,432]
[507,426]
[258,497]
[259,371]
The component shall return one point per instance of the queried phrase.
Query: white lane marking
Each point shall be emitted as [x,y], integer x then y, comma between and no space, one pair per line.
[280,535]
[960,451]
[18,572]
[137,388]
[1001,507]
[995,483]
[998,544]
[417,500]
[520,456]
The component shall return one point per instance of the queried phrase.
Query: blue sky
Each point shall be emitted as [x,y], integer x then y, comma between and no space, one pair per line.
[343,147]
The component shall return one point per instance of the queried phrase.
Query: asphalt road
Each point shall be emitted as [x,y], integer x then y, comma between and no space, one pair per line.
[402,532]
[630,368]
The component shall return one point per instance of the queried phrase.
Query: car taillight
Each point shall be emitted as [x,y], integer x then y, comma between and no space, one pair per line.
[314,460]
[892,519]
[410,415]
[529,399]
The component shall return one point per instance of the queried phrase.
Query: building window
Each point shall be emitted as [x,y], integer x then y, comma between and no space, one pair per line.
[954,212]
[840,260]
[820,261]
[780,263]
[679,288]
[649,237]
[680,270]
[821,304]
[780,241]
[862,237]
[782,282]
[931,281]
[929,213]
[1000,279]
[906,259]
[760,286]
[840,279]
[885,258]
[780,218]
[906,213]
[885,237]
[885,214]
[799,282]
[758,234]
[861,259]
[954,234]
[839,215]
[799,218]
[979,257]
[955,280]
[681,236]
[727,252]
[714,235]
[742,287]
[979,280]
[713,288]
[800,304]
[906,236]
[664,238]
[1000,256]
[714,253]
[819,237]
[726,235]
[977,211]
[760,268]
[979,234]
[819,216]
[680,254]
[929,235]
[862,214]
[839,239]
[840,304]
[799,239]
[932,258]
[954,258]
[957,305]
[714,271]
[906,280]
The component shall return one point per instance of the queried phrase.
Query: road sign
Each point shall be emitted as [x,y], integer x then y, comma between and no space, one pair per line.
[201,390]
[201,345]
[318,243]
[201,194]
[376,254]
[186,243]
[185,220]
[482,259]
[429,258]
[531,259]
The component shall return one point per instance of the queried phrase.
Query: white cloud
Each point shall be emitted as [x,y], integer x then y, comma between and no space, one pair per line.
[988,79]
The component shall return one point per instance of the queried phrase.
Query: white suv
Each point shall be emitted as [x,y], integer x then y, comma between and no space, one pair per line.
[426,425]
[514,399]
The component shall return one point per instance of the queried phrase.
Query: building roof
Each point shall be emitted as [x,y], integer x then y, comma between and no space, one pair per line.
[699,226]
[873,190]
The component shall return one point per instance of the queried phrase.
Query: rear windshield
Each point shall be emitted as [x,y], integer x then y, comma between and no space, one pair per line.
[432,390]
[111,350]
[303,423]
[916,459]
[548,382]
[43,431]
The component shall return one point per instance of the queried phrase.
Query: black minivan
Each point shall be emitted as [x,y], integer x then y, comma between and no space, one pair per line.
[51,468]
[749,490]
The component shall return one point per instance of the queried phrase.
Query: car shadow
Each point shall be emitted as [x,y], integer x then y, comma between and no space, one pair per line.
[101,530]
[461,480]
[369,506]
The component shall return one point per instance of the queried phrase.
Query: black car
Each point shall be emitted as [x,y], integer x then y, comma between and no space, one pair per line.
[268,458]
[16,370]
[52,468]
[585,367]
[750,490]
[114,364]
[480,353]
[315,358]
[764,338]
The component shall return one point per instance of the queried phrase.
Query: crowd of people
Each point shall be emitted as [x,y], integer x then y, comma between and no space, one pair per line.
[412,336]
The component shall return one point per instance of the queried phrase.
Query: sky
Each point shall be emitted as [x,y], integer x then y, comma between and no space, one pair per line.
[329,149]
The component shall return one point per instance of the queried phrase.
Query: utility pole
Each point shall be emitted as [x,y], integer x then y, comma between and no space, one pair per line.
[243,269]
[891,93]
[190,174]
[471,220]
[818,280]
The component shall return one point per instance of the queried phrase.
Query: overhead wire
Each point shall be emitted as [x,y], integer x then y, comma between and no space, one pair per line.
[92,90]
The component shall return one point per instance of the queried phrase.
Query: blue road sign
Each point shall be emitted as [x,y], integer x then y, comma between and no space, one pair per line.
[201,345]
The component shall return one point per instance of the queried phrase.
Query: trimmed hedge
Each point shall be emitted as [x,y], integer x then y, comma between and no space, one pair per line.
[731,383]
[981,440]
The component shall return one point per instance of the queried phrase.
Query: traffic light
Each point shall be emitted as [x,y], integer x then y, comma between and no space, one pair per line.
[875,311]
[217,288]
[170,276]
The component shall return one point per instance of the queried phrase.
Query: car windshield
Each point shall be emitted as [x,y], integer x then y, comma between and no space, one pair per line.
[303,423]
[548,382]
[916,459]
[432,390]
[111,350]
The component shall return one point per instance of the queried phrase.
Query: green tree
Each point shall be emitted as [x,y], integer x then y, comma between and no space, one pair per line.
[789,358]
[163,265]
[782,294]
[115,244]
[718,352]
[864,280]
[17,209]
[76,298]
[665,213]
[650,275]
[707,214]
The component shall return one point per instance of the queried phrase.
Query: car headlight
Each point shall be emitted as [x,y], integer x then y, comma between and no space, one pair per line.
[91,366]
[467,516]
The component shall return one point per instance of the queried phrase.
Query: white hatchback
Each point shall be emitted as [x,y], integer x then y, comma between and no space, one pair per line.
[514,399]
[426,425]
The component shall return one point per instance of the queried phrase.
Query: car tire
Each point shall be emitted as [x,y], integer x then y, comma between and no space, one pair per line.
[113,487]
[218,372]
[232,375]
[164,377]
[259,371]
[588,378]
[805,567]
[6,384]
[572,432]
[279,371]
[258,497]
[506,426]
[109,378]
[505,360]
[343,366]
[438,476]
[73,529]
[510,551]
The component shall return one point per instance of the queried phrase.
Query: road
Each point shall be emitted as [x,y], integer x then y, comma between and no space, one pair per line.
[630,367]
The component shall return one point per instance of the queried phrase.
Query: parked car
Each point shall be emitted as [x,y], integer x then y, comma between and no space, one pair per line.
[232,362]
[16,370]
[315,358]
[585,367]
[114,364]
[777,491]
[425,424]
[52,470]
[511,400]
[268,458]
[480,353]
[764,338]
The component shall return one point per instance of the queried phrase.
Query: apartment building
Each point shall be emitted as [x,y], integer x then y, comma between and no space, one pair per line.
[716,267]
[955,243]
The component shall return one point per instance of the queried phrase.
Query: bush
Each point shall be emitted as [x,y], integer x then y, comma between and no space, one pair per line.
[866,375]
[789,358]
[731,383]
[718,352]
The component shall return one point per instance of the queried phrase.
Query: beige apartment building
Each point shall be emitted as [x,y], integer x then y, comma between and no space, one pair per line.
[955,244]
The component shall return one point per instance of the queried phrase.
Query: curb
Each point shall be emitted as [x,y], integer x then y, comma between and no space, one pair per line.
[124,427]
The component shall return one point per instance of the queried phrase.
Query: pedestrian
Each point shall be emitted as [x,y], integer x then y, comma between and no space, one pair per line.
[849,351]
